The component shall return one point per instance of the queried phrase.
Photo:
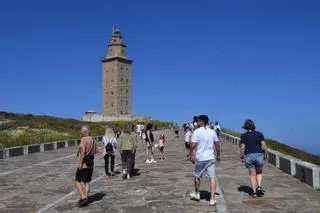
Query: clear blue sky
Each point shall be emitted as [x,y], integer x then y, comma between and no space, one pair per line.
[229,59]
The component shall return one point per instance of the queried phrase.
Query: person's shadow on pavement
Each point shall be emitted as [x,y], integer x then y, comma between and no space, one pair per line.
[206,195]
[245,189]
[96,197]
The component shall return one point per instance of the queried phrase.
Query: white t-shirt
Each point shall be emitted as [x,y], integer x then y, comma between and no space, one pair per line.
[138,128]
[106,140]
[215,127]
[205,138]
[187,137]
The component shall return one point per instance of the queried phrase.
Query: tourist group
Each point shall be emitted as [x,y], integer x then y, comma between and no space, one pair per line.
[202,144]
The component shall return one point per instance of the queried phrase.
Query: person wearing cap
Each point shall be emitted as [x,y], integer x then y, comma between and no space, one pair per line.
[194,124]
[217,128]
[253,152]
[204,145]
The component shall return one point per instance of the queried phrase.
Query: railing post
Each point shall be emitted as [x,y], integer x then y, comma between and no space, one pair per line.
[25,150]
[293,167]
[41,147]
[277,161]
[7,153]
[316,178]
[55,146]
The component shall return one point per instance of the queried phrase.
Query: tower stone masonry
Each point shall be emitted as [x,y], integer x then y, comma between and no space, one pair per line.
[116,80]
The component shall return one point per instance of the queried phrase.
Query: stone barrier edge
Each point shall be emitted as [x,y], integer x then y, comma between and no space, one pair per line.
[304,171]
[5,153]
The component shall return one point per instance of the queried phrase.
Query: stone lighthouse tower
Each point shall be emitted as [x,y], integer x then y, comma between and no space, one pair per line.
[116,81]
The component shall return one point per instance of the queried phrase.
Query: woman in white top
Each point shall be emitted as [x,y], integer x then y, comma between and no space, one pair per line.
[110,145]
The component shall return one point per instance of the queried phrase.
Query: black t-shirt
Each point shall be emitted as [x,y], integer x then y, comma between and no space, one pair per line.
[151,136]
[252,140]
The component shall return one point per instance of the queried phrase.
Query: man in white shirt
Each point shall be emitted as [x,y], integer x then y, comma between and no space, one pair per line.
[217,128]
[204,145]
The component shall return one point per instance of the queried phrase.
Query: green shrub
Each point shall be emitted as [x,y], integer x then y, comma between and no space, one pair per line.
[59,129]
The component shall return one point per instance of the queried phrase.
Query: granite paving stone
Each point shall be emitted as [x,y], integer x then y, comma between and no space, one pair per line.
[43,182]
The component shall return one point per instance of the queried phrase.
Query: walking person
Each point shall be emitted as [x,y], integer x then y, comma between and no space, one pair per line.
[187,140]
[194,123]
[176,130]
[253,152]
[217,128]
[85,165]
[204,145]
[127,144]
[149,143]
[110,145]
[138,129]
[143,131]
[162,141]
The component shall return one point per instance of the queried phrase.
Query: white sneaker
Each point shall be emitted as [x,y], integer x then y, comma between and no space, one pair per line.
[195,196]
[124,172]
[128,176]
[148,161]
[153,161]
[213,202]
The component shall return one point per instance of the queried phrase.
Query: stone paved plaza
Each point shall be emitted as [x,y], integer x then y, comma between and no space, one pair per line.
[43,182]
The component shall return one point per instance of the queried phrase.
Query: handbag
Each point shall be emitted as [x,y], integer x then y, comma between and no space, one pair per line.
[89,159]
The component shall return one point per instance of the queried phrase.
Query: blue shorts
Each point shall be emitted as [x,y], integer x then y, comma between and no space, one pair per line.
[254,160]
[208,167]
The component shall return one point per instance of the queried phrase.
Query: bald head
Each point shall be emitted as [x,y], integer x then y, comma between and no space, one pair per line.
[85,130]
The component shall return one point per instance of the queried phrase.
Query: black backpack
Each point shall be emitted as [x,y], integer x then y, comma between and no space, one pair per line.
[109,147]
[218,132]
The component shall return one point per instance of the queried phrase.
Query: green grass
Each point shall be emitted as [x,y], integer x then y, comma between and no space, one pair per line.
[26,138]
[285,149]
[41,128]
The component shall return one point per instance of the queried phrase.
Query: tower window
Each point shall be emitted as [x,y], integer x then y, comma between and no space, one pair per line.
[127,80]
[127,91]
[127,102]
[121,112]
[121,79]
[112,104]
[112,93]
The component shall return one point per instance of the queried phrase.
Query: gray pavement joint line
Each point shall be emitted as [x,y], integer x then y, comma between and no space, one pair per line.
[221,202]
[38,164]
[49,206]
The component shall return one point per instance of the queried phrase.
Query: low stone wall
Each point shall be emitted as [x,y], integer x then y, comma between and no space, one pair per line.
[302,170]
[43,147]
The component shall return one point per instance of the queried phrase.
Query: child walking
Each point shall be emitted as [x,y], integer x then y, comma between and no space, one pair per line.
[161,147]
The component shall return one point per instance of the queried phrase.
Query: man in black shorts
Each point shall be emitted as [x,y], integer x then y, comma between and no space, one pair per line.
[85,166]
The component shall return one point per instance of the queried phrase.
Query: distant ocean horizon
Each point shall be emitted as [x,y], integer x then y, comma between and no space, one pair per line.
[310,148]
